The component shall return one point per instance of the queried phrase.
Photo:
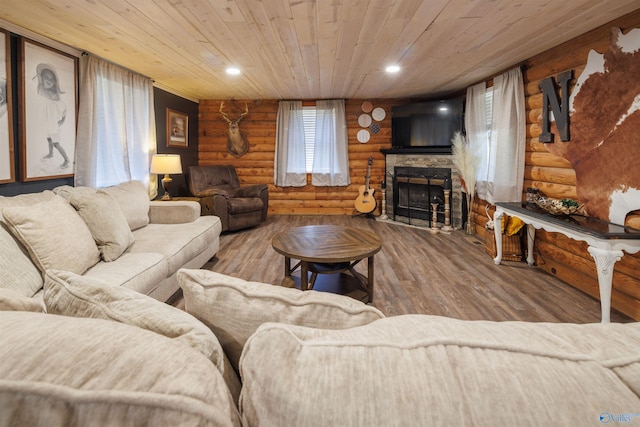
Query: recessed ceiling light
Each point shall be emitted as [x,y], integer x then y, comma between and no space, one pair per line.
[233,71]
[392,69]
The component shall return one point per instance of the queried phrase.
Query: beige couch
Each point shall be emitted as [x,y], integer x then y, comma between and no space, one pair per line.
[305,359]
[113,234]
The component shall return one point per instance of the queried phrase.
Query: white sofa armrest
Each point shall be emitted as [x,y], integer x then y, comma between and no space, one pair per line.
[173,212]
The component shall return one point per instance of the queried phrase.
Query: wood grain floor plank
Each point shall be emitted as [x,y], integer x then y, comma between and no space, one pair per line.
[417,272]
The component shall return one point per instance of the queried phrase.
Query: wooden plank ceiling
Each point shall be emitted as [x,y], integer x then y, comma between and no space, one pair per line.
[311,49]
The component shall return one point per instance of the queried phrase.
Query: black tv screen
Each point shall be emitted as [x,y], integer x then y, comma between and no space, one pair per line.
[427,126]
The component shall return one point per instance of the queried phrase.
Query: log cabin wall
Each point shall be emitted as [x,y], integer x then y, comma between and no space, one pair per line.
[257,165]
[555,177]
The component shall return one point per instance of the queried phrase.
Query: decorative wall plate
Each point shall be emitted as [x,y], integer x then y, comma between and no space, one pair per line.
[367,107]
[379,114]
[363,136]
[374,128]
[364,120]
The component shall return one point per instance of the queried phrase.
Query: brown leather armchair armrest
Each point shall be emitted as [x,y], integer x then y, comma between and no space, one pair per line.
[251,190]
[257,190]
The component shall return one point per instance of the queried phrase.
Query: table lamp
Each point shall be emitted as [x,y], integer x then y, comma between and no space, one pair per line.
[166,164]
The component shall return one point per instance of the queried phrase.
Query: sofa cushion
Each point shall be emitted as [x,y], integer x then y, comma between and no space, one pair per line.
[133,199]
[234,308]
[107,223]
[61,371]
[18,271]
[72,295]
[178,243]
[141,272]
[12,300]
[27,199]
[426,370]
[54,234]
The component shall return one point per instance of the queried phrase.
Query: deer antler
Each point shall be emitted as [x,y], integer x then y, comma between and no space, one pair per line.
[246,111]
[226,117]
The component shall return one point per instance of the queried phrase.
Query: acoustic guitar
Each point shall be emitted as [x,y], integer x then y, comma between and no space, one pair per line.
[365,202]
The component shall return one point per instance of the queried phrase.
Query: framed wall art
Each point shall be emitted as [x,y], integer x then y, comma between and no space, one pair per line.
[177,129]
[48,114]
[7,167]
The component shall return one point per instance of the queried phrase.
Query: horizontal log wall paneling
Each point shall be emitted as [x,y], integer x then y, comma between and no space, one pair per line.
[257,165]
[555,177]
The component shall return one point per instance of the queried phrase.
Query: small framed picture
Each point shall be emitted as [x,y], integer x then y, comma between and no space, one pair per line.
[7,167]
[177,129]
[49,96]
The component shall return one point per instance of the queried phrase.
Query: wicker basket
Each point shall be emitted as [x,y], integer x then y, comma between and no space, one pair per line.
[511,247]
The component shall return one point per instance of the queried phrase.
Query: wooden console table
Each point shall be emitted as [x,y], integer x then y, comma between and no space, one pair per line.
[606,240]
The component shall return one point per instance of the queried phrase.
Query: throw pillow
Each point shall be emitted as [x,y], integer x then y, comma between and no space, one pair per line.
[54,234]
[234,308]
[78,296]
[18,271]
[107,223]
[133,199]
[13,301]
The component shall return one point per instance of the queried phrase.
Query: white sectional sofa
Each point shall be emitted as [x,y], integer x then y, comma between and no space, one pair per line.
[113,234]
[255,354]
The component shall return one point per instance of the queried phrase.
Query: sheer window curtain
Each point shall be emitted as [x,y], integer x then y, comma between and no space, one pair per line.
[289,165]
[500,177]
[475,122]
[330,154]
[116,126]
[331,151]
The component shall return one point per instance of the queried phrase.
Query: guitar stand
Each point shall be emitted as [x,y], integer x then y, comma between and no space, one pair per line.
[369,215]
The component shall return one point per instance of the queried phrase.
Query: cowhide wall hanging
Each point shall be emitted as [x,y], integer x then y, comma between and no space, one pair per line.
[604,144]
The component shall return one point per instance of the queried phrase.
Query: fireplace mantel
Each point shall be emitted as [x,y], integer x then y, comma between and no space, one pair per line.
[426,161]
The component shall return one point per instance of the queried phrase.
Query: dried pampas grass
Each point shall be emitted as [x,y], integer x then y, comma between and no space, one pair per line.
[466,161]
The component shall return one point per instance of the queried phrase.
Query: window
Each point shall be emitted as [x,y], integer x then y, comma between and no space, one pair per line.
[309,122]
[488,99]
[311,140]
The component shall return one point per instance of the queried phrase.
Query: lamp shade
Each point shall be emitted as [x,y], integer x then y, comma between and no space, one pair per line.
[166,164]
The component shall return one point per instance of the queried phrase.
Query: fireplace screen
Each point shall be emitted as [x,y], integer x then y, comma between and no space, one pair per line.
[417,190]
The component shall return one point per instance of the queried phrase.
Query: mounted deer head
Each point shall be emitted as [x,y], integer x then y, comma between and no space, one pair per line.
[237,143]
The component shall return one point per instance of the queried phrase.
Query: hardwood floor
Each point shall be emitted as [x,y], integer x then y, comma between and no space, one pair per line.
[422,273]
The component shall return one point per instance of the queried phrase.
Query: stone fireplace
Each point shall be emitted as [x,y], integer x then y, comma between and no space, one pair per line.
[413,180]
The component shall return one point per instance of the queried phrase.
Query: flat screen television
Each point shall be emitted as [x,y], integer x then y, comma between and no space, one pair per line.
[426,127]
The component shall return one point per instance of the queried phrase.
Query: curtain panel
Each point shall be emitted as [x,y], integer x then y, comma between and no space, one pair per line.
[289,164]
[331,149]
[501,170]
[116,126]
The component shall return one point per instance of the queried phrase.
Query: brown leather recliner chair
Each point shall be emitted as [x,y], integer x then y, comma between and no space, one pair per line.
[220,194]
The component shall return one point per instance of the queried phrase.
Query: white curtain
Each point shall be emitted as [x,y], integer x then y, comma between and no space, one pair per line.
[475,122]
[331,151]
[500,178]
[289,164]
[116,126]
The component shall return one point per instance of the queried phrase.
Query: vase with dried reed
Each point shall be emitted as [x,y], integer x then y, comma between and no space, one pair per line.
[466,161]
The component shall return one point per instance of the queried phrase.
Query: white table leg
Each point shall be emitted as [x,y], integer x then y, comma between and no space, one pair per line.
[531,236]
[605,260]
[497,229]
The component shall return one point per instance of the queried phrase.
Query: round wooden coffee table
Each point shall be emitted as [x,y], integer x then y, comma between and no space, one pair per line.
[332,252]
